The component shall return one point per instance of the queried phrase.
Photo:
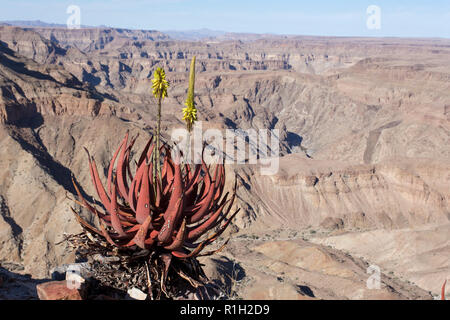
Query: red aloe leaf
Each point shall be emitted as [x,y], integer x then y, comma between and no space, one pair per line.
[184,255]
[125,216]
[111,165]
[193,181]
[83,201]
[107,236]
[213,237]
[86,225]
[97,182]
[140,236]
[443,290]
[170,171]
[198,231]
[204,192]
[227,211]
[210,253]
[135,185]
[158,194]
[180,238]
[170,219]
[174,208]
[113,210]
[203,206]
[146,153]
[191,197]
[143,209]
[221,183]
[207,181]
[167,188]
[151,239]
[122,169]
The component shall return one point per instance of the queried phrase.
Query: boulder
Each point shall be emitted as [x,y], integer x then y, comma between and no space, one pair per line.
[58,290]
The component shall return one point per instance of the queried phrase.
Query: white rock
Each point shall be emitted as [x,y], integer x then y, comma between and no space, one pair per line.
[74,280]
[136,294]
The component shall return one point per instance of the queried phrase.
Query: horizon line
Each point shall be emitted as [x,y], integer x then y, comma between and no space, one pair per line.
[16,23]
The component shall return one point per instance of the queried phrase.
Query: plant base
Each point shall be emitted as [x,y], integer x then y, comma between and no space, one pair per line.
[113,272]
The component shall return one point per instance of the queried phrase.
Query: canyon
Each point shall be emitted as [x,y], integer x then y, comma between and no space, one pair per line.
[364,172]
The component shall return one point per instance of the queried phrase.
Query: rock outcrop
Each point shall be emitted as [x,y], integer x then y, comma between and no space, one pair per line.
[395,194]
[30,90]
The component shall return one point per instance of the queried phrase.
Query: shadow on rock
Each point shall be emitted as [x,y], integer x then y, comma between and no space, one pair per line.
[14,286]
[225,275]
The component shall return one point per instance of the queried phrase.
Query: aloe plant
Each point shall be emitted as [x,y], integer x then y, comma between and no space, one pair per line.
[168,218]
[175,211]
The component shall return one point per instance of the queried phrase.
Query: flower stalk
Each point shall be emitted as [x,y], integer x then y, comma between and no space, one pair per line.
[190,112]
[160,86]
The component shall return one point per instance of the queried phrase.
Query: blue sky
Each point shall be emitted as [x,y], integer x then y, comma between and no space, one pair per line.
[401,18]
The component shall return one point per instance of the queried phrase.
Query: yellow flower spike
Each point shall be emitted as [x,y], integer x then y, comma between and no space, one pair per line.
[160,84]
[189,115]
[190,112]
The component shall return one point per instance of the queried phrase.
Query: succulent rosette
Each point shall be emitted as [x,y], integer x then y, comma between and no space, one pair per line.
[179,213]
